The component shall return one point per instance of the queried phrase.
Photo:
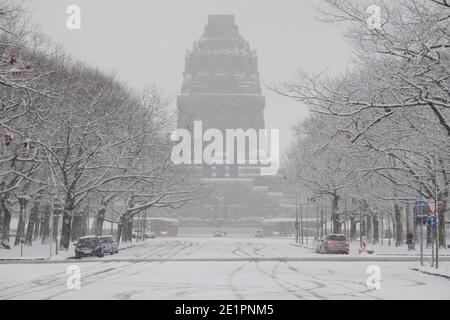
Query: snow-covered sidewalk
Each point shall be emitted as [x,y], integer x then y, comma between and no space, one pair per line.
[38,252]
[381,250]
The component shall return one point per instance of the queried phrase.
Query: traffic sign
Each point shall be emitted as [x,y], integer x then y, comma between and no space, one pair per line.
[431,222]
[421,209]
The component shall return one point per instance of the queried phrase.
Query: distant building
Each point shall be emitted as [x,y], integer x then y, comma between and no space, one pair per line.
[221,88]
[160,226]
[285,227]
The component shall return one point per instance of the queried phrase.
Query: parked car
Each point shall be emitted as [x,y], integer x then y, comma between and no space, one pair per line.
[163,233]
[109,244]
[136,234]
[218,233]
[334,243]
[259,234]
[89,246]
[150,235]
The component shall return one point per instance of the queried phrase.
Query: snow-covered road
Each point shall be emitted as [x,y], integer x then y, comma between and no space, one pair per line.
[129,278]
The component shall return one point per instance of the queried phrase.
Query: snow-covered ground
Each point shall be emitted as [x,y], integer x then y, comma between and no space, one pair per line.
[386,249]
[175,274]
[209,247]
[40,251]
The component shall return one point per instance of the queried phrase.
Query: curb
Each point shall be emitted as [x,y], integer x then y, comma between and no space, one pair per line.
[51,260]
[242,259]
[431,273]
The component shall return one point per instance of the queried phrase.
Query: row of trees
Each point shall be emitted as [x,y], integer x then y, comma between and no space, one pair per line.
[74,135]
[379,136]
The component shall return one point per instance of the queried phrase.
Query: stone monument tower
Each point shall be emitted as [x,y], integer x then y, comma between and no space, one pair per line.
[221,85]
[221,88]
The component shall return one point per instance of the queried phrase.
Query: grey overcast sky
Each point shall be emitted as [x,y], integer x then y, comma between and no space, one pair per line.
[145,41]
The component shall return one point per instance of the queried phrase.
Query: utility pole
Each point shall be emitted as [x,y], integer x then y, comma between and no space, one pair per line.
[112,217]
[317,222]
[22,215]
[88,215]
[145,221]
[389,226]
[360,227]
[307,216]
[301,219]
[421,242]
[436,210]
[321,219]
[50,236]
[345,217]
[52,216]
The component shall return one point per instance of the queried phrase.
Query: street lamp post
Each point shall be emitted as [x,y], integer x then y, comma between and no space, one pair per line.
[317,222]
[301,220]
[360,227]
[307,216]
[145,221]
[50,235]
[321,220]
[436,211]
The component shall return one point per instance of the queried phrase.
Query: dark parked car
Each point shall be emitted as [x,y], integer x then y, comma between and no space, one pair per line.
[109,244]
[334,243]
[89,246]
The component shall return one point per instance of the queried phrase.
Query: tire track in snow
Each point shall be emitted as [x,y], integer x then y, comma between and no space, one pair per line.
[273,276]
[342,283]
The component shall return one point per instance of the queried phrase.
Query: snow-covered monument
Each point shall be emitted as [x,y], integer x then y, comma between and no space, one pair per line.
[221,88]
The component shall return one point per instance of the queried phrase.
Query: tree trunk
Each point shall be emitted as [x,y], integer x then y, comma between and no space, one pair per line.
[130,230]
[125,228]
[99,219]
[86,222]
[77,226]
[441,215]
[376,229]
[352,228]
[398,226]
[55,226]
[31,223]
[20,233]
[362,226]
[120,229]
[6,225]
[37,226]
[45,224]
[369,227]
[66,225]
[408,217]
[336,223]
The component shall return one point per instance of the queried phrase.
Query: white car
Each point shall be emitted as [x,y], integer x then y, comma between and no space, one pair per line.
[259,234]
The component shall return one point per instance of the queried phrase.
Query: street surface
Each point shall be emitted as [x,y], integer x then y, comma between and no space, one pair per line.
[218,268]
